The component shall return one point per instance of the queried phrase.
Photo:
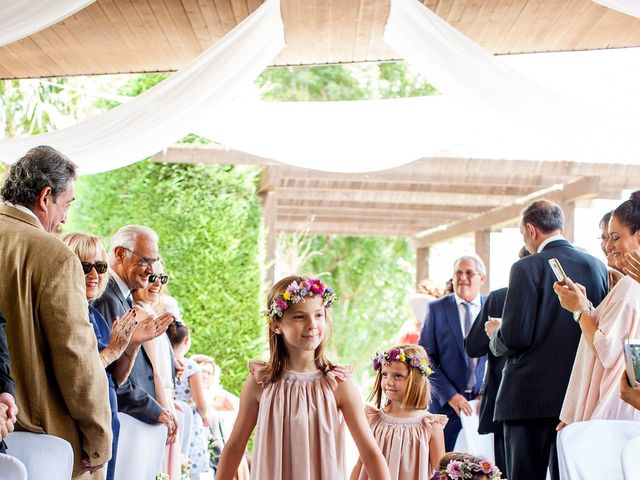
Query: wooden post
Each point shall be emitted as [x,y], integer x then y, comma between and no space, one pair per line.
[422,264]
[483,250]
[569,210]
[269,215]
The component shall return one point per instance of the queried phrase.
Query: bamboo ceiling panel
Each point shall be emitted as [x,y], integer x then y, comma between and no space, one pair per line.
[124,36]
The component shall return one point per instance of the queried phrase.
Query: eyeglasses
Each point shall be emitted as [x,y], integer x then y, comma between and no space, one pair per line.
[144,261]
[101,267]
[468,273]
[163,278]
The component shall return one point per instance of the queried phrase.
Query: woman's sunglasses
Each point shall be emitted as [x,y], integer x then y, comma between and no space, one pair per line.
[101,267]
[163,278]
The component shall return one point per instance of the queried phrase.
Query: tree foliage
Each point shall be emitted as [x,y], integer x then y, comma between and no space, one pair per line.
[208,221]
[342,82]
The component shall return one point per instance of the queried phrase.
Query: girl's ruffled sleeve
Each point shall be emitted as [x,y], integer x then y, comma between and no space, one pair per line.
[339,374]
[431,418]
[373,415]
[259,370]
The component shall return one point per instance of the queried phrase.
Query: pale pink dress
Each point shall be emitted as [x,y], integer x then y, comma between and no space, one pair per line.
[300,431]
[404,442]
[594,388]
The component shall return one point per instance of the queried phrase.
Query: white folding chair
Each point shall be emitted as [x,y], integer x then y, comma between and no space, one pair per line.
[469,440]
[631,458]
[11,468]
[593,449]
[140,449]
[44,456]
[186,426]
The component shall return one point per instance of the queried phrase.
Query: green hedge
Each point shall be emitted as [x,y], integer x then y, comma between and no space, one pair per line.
[208,221]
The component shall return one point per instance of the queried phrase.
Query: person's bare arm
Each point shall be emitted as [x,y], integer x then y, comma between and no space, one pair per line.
[233,451]
[349,402]
[199,397]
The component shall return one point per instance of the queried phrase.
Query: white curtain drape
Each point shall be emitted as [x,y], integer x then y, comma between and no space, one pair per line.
[21,18]
[173,108]
[629,7]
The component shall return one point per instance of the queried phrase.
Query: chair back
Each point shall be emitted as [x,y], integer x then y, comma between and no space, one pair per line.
[593,449]
[186,426]
[44,456]
[140,449]
[11,468]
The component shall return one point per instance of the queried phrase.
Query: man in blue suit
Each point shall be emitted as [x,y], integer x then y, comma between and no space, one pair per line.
[457,378]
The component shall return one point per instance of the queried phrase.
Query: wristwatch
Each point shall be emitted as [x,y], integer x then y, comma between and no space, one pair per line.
[578,313]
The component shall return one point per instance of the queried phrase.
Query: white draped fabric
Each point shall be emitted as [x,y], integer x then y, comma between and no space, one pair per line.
[594,449]
[630,7]
[578,106]
[172,109]
[21,18]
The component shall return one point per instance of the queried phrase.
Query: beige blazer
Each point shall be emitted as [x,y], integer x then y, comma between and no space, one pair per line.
[61,386]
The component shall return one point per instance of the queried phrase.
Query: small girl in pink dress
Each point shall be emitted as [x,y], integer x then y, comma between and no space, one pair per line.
[299,401]
[411,438]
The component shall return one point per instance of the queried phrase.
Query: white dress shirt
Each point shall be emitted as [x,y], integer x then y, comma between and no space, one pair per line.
[549,240]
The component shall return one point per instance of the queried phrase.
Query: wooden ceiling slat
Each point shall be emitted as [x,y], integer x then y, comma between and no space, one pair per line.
[312,204]
[158,35]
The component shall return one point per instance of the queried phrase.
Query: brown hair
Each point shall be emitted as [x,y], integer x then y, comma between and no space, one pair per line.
[418,392]
[86,246]
[177,332]
[278,354]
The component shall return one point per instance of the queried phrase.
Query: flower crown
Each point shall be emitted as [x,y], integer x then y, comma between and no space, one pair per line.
[461,469]
[296,292]
[398,355]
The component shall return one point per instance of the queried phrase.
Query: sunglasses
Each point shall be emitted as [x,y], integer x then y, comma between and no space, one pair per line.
[101,267]
[163,278]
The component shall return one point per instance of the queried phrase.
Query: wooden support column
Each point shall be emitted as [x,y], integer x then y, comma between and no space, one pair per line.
[269,179]
[422,264]
[483,250]
[569,210]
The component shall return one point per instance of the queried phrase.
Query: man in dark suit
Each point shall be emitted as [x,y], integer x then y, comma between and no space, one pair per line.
[8,408]
[457,378]
[540,340]
[133,252]
[476,345]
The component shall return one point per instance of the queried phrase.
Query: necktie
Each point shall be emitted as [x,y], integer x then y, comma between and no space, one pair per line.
[471,381]
[129,301]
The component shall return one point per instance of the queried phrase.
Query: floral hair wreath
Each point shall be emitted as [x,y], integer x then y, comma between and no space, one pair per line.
[296,292]
[398,355]
[461,469]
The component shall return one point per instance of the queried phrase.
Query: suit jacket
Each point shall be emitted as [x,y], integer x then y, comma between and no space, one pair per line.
[61,388]
[137,395]
[476,345]
[538,336]
[442,338]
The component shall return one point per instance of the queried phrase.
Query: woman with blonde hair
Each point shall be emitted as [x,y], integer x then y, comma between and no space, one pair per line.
[111,342]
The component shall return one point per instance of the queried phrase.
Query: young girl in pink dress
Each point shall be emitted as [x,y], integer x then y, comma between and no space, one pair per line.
[299,400]
[411,438]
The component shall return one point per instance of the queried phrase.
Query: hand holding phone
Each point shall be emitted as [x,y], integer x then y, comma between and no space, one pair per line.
[558,270]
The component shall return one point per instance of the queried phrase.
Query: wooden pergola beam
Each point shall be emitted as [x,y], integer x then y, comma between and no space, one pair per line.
[587,187]
[349,229]
[415,209]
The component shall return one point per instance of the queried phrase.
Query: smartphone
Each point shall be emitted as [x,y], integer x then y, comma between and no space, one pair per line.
[631,349]
[557,269]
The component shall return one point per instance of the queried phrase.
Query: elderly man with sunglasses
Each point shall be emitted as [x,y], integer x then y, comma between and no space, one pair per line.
[133,253]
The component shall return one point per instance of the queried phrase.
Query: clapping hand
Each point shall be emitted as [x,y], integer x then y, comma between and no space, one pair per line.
[491,325]
[151,327]
[631,264]
[122,331]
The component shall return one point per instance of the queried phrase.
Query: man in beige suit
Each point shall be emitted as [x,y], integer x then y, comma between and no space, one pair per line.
[61,387]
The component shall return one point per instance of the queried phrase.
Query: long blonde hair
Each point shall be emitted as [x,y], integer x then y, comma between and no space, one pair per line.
[278,354]
[418,391]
